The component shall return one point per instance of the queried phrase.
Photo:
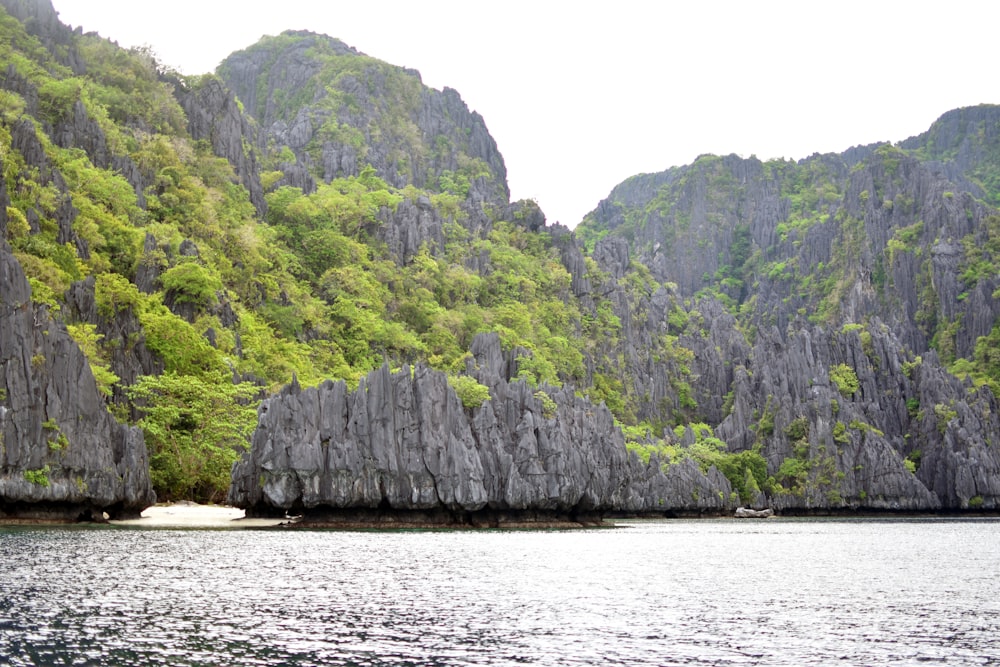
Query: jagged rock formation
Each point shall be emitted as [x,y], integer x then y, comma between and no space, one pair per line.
[806,320]
[41,20]
[214,115]
[62,455]
[404,442]
[887,249]
[832,447]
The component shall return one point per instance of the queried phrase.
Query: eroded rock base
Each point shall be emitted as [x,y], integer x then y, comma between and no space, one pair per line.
[387,518]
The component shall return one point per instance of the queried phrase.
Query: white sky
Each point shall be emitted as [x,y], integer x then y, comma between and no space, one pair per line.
[580,96]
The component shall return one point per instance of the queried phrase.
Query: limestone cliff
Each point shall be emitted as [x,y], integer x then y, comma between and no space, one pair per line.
[877,263]
[62,455]
[403,442]
[837,238]
[214,115]
[905,436]
[813,335]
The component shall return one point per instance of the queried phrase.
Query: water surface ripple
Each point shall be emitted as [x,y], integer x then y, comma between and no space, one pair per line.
[718,592]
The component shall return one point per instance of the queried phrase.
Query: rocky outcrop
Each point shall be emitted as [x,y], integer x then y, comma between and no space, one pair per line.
[748,513]
[130,359]
[41,20]
[215,116]
[410,226]
[62,455]
[906,436]
[403,442]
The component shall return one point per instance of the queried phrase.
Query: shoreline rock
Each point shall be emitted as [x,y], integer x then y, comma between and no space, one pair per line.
[383,519]
[749,513]
[404,442]
[63,456]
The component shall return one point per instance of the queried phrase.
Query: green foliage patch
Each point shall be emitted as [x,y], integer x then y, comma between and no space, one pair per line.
[39,476]
[469,390]
[845,379]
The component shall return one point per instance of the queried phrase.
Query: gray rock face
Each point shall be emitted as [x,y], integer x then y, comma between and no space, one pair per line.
[835,449]
[409,227]
[885,240]
[130,360]
[41,20]
[722,215]
[404,442]
[214,115]
[62,455]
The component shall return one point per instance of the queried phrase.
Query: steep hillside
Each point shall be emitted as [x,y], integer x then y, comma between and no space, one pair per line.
[326,111]
[202,258]
[853,281]
[809,335]
[62,455]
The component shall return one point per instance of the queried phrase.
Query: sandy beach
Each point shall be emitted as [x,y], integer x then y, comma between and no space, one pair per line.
[193,515]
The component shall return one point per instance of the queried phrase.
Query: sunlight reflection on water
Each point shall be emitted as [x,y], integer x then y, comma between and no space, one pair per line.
[779,592]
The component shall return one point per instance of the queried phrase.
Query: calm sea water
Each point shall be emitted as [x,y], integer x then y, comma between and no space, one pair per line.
[714,592]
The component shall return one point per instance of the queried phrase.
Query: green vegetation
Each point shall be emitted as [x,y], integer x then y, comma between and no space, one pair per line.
[235,303]
[195,429]
[471,393]
[984,367]
[944,415]
[798,429]
[745,470]
[56,438]
[89,341]
[904,240]
[845,379]
[548,405]
[39,476]
[840,435]
[807,472]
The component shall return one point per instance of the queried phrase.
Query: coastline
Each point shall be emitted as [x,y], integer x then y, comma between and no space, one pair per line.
[190,515]
[187,514]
